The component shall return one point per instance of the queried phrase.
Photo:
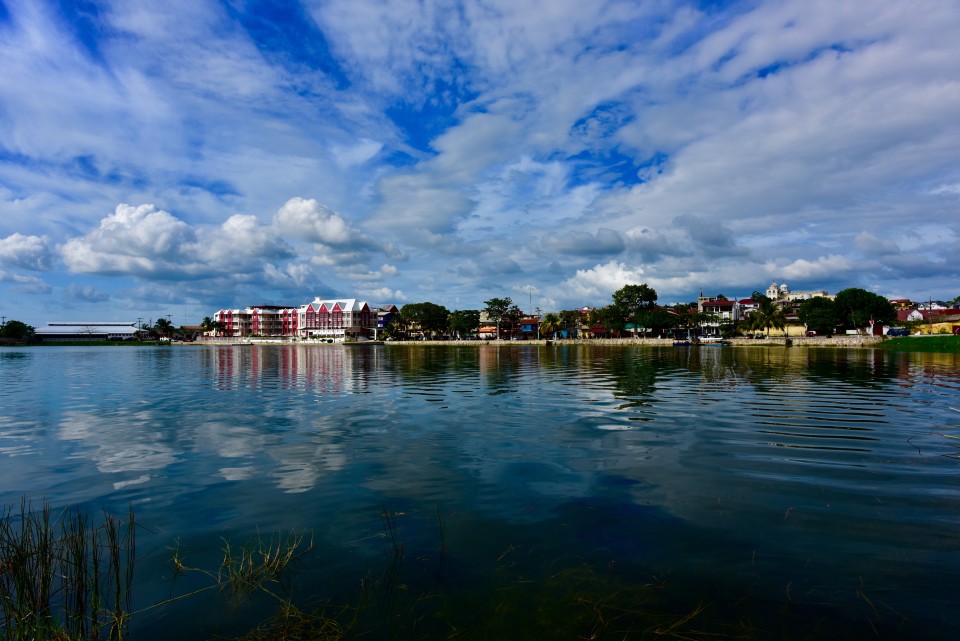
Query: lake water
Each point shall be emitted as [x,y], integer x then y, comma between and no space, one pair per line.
[536,492]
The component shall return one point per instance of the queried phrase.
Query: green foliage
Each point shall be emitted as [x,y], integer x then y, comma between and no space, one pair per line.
[550,324]
[465,321]
[163,327]
[16,330]
[570,320]
[497,309]
[856,307]
[610,318]
[631,301]
[429,317]
[768,314]
[658,320]
[819,314]
[64,577]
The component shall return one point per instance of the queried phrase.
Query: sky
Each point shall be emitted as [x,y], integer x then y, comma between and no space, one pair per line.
[176,158]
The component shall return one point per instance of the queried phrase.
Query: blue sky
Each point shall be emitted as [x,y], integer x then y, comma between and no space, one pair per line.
[180,157]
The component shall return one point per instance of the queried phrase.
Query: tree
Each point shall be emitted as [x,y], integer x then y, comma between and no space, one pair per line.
[513,317]
[632,301]
[430,317]
[570,321]
[17,331]
[768,314]
[164,327]
[496,309]
[658,319]
[610,318]
[396,327]
[550,324]
[856,307]
[819,314]
[465,321]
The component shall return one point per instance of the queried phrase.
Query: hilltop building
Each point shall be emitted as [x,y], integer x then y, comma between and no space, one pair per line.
[782,294]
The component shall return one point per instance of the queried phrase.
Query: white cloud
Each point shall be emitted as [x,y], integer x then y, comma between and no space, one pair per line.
[949,190]
[308,220]
[356,154]
[825,267]
[25,284]
[383,295]
[26,252]
[602,280]
[132,240]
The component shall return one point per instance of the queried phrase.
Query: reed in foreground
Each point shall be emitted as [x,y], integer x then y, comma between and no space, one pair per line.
[63,576]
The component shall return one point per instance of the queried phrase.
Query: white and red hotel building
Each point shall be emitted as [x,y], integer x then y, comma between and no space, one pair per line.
[336,319]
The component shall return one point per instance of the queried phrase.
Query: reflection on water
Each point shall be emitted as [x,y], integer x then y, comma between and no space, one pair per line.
[797,477]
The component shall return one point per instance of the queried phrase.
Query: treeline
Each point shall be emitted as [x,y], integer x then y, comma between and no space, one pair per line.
[635,306]
[14,331]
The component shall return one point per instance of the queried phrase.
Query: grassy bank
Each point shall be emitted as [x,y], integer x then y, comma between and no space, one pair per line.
[942,343]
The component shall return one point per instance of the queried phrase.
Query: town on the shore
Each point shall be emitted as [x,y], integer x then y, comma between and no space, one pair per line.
[632,313]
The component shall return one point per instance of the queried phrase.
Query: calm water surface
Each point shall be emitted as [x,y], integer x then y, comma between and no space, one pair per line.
[801,493]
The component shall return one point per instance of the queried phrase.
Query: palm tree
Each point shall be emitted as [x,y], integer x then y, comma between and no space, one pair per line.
[768,314]
[550,324]
[164,327]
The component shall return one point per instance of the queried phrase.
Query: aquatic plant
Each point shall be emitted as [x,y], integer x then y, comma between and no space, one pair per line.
[252,567]
[63,576]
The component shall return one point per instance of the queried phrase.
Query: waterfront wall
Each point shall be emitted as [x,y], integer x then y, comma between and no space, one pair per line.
[840,340]
[844,341]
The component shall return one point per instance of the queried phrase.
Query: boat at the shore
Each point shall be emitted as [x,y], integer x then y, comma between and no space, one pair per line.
[712,340]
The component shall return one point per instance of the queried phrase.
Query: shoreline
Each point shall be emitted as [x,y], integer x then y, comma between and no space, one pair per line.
[845,341]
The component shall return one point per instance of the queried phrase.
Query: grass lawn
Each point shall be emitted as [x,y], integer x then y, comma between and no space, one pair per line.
[926,343]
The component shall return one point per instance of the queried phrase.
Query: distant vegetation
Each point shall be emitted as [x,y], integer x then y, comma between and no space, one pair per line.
[15,331]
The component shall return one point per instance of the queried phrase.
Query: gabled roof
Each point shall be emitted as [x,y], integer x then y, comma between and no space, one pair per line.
[345,304]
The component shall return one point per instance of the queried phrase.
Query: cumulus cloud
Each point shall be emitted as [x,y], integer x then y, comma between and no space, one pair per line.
[147,242]
[308,220]
[601,281]
[241,243]
[26,252]
[132,240]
